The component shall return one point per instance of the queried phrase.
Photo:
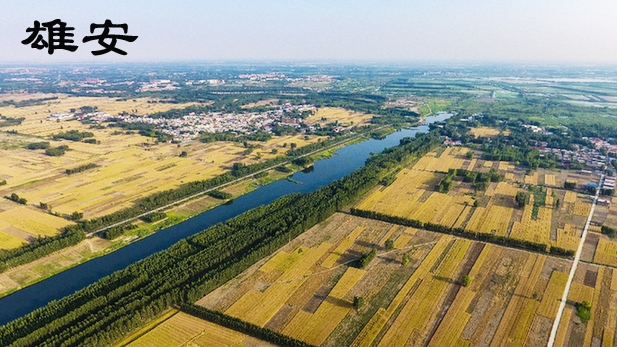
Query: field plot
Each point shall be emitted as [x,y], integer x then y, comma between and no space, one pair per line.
[485,132]
[306,290]
[552,216]
[180,329]
[598,285]
[343,116]
[21,224]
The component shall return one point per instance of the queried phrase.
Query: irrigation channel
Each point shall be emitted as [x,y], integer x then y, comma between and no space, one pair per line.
[346,160]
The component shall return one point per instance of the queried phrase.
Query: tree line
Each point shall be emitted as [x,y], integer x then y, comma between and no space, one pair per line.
[39,248]
[73,135]
[486,237]
[81,168]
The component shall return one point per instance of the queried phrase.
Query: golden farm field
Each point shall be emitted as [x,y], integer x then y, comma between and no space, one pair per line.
[556,221]
[598,285]
[306,289]
[486,132]
[21,224]
[332,114]
[177,329]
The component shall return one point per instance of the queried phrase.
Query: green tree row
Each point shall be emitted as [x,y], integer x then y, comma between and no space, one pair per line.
[39,248]
[81,168]
[486,237]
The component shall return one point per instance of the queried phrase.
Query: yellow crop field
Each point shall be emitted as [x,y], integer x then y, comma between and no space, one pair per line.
[538,230]
[346,117]
[182,329]
[416,313]
[484,132]
[454,321]
[532,179]
[39,113]
[580,292]
[342,247]
[488,164]
[570,197]
[130,167]
[549,180]
[472,164]
[282,260]
[259,307]
[509,176]
[315,328]
[27,222]
[569,237]
[320,310]
[560,338]
[492,219]
[9,241]
[516,322]
[449,159]
[606,252]
[552,295]
[401,199]
[549,201]
[581,208]
[600,328]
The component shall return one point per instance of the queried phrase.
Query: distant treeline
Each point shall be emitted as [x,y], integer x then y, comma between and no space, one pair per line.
[104,312]
[73,135]
[228,136]
[217,194]
[57,151]
[38,145]
[486,237]
[29,102]
[81,168]
[154,217]
[117,231]
[8,121]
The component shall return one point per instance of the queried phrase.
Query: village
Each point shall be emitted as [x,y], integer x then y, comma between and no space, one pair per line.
[190,126]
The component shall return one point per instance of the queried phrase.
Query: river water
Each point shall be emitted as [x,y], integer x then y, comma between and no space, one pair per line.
[346,160]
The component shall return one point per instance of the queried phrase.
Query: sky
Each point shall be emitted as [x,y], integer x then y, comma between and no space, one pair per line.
[531,31]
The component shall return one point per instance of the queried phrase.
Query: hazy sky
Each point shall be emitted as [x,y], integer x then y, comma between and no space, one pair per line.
[446,30]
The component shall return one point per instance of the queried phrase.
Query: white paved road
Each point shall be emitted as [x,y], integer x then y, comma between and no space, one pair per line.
[577,258]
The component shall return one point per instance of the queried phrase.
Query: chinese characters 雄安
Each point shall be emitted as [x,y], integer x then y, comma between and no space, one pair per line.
[59,36]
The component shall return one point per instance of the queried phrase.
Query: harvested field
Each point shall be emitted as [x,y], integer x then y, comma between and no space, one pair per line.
[180,329]
[595,284]
[512,294]
[484,132]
